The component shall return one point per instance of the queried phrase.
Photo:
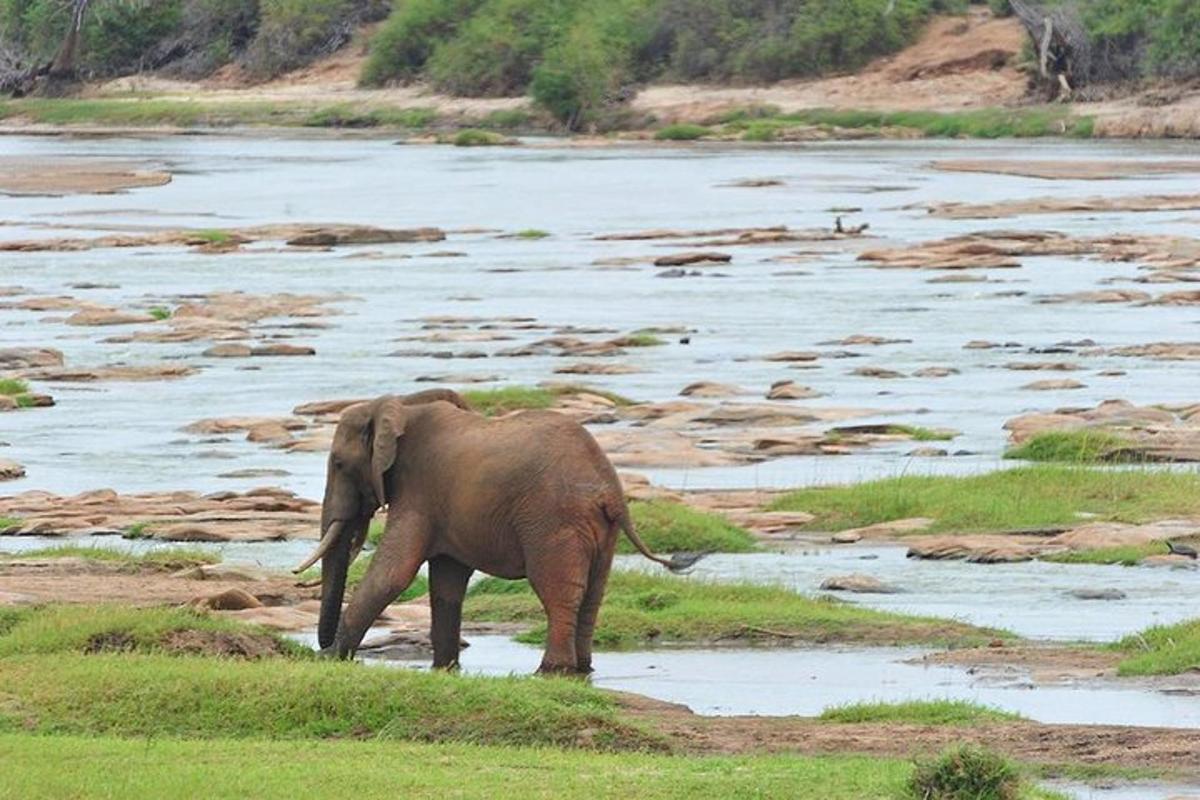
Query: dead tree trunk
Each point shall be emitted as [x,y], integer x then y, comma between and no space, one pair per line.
[64,66]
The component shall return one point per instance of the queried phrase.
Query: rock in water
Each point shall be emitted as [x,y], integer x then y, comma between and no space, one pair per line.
[859,584]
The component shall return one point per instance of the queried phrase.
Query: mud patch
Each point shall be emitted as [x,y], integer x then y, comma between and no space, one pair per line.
[224,644]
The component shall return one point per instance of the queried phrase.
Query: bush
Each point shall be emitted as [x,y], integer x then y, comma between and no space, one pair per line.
[681,132]
[408,38]
[292,32]
[967,772]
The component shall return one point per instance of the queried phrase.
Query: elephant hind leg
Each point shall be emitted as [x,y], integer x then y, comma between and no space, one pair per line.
[447,587]
[560,580]
[588,610]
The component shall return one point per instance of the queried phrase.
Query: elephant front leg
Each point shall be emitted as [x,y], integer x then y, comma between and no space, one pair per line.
[447,587]
[393,567]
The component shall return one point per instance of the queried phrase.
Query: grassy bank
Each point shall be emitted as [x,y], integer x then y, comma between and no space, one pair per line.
[1162,650]
[1020,498]
[1126,556]
[668,527]
[71,766]
[166,558]
[767,125]
[1073,447]
[919,712]
[641,610]
[506,399]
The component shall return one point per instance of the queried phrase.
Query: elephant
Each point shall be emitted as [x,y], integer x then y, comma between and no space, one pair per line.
[527,495]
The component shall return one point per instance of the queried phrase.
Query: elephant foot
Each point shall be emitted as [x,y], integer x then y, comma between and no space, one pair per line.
[562,670]
[453,666]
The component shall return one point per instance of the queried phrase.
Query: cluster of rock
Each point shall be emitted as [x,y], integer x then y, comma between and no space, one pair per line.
[1125,432]
[266,514]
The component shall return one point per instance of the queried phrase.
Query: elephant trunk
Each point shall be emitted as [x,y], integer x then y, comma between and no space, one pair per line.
[335,564]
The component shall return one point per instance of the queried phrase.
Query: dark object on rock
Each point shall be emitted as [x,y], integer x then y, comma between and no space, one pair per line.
[685,259]
[685,340]
[1097,594]
[853,230]
[1181,549]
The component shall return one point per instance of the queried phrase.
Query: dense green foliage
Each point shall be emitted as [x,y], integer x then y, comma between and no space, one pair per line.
[1145,37]
[668,527]
[641,609]
[575,57]
[1162,650]
[1026,497]
[966,772]
[1081,447]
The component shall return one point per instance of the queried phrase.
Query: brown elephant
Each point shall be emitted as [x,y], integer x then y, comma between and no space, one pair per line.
[530,495]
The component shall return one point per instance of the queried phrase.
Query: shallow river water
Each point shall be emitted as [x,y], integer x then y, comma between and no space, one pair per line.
[127,436]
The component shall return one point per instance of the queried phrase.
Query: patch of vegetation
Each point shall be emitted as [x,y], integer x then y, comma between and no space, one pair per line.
[13,386]
[155,696]
[506,119]
[159,313]
[136,530]
[641,609]
[919,434]
[495,402]
[49,767]
[78,629]
[166,558]
[1162,650]
[919,712]
[531,233]
[1126,556]
[990,123]
[966,772]
[1025,497]
[293,32]
[474,137]
[9,523]
[1071,447]
[346,116]
[682,132]
[641,339]
[669,527]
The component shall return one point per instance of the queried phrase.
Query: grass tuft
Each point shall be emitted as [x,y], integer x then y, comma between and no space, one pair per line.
[1025,497]
[13,387]
[160,313]
[966,772]
[642,609]
[532,233]
[919,434]
[668,527]
[1072,447]
[495,402]
[1126,555]
[1162,650]
[919,712]
[682,132]
[474,137]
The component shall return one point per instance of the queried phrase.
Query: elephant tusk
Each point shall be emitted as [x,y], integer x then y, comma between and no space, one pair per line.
[327,541]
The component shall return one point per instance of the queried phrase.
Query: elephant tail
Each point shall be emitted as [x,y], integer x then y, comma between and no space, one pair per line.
[678,562]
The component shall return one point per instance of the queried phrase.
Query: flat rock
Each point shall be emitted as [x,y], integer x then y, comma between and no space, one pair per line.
[790,356]
[108,316]
[13,358]
[1053,385]
[859,584]
[335,235]
[790,390]
[692,258]
[935,372]
[983,549]
[229,600]
[711,389]
[1097,594]
[846,537]
[896,527]
[10,470]
[877,372]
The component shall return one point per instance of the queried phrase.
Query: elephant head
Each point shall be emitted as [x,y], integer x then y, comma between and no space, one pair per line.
[364,449]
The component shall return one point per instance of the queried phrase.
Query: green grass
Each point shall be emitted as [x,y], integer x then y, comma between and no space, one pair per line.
[13,386]
[213,236]
[152,696]
[531,233]
[1126,556]
[1071,447]
[136,530]
[682,132]
[1024,497]
[52,767]
[641,609]
[641,339]
[76,629]
[474,137]
[1162,650]
[159,313]
[919,434]
[993,123]
[966,772]
[919,712]
[144,111]
[9,522]
[167,558]
[668,527]
[494,402]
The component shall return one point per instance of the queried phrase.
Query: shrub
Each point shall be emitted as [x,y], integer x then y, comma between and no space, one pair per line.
[293,32]
[966,772]
[404,44]
[681,132]
[473,137]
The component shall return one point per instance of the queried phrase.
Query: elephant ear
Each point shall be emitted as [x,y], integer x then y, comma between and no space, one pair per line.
[387,423]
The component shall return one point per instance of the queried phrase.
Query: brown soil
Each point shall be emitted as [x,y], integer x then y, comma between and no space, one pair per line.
[1165,749]
[219,643]
[37,176]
